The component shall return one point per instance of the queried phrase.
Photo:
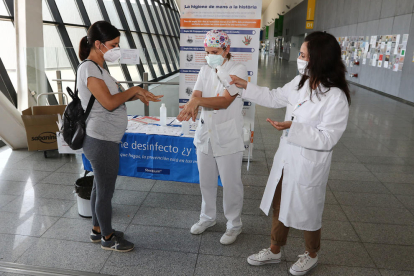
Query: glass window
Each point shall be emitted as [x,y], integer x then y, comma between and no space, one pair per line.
[3,10]
[167,27]
[176,50]
[173,25]
[46,12]
[138,16]
[8,50]
[151,53]
[93,10]
[75,35]
[143,59]
[146,17]
[112,13]
[160,52]
[69,11]
[166,50]
[133,70]
[128,15]
[152,9]
[56,57]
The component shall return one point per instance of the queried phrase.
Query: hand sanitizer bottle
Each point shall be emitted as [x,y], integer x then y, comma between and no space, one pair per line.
[185,127]
[163,115]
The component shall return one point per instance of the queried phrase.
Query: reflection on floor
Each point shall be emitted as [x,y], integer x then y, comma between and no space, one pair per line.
[368,223]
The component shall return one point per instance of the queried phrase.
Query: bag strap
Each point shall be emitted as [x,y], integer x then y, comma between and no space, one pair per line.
[76,76]
[88,108]
[86,173]
[92,99]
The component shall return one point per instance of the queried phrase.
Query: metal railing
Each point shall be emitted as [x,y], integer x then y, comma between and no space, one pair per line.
[133,82]
[144,81]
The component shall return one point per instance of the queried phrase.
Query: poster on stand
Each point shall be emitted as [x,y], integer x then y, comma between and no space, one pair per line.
[241,20]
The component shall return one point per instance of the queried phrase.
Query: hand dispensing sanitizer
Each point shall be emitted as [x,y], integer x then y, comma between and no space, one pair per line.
[225,78]
[163,115]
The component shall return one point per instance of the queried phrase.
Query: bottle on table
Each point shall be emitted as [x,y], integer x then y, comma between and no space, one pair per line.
[163,115]
[185,127]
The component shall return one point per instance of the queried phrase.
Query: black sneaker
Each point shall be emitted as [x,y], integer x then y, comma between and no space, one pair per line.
[96,237]
[117,244]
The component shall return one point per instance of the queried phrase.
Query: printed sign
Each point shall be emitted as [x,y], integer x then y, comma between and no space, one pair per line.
[241,20]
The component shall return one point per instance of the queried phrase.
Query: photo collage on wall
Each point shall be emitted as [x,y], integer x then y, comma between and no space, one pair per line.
[383,51]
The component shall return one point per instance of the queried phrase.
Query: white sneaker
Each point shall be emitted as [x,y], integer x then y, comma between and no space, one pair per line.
[304,264]
[201,226]
[230,236]
[265,256]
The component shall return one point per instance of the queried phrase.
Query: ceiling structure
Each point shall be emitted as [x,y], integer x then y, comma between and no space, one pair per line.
[265,5]
[276,7]
[271,9]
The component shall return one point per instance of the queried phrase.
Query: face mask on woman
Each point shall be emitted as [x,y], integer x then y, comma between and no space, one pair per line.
[215,60]
[111,55]
[302,64]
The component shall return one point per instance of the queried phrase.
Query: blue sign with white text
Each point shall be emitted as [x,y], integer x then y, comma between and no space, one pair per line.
[168,158]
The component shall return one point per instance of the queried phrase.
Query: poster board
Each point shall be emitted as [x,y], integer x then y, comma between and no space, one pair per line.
[383,51]
[241,20]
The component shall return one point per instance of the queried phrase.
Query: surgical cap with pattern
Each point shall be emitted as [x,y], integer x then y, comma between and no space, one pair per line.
[217,39]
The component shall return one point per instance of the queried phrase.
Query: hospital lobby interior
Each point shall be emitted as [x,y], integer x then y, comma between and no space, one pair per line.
[368,213]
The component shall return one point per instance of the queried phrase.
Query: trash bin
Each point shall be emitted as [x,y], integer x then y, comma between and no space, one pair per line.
[83,189]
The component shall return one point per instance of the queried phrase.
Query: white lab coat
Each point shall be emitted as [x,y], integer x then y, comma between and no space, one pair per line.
[222,128]
[305,150]
[220,146]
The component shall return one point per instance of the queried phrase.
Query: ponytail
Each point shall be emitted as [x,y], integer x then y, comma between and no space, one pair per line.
[84,48]
[102,31]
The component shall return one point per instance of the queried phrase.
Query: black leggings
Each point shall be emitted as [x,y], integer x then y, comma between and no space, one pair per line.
[104,158]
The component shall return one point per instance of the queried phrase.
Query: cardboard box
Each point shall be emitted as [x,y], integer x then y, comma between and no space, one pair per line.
[41,127]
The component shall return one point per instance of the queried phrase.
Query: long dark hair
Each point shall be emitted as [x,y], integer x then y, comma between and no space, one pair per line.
[325,67]
[102,31]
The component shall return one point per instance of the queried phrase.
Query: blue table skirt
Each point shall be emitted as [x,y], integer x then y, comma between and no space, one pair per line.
[168,158]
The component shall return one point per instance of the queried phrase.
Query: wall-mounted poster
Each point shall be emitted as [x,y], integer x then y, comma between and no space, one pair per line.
[396,63]
[373,40]
[374,59]
[241,20]
[386,61]
[381,56]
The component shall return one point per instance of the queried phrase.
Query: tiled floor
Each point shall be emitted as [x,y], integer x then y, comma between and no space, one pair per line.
[368,222]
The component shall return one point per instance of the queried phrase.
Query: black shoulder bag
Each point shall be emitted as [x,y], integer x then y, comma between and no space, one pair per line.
[74,118]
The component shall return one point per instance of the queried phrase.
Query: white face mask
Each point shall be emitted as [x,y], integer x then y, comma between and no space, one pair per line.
[302,64]
[111,55]
[215,60]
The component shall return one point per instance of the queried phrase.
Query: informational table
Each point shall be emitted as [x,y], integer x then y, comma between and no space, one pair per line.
[169,158]
[149,150]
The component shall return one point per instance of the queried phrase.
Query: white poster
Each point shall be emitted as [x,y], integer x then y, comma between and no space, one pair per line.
[373,40]
[129,56]
[241,20]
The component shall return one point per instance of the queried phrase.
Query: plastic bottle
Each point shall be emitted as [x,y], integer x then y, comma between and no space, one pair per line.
[224,77]
[163,115]
[185,127]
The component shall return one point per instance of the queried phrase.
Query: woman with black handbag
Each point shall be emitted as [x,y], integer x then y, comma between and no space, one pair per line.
[105,126]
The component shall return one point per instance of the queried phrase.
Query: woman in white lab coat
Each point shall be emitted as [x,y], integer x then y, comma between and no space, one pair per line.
[317,106]
[219,135]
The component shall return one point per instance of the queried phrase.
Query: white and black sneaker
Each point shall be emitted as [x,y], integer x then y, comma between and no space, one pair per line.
[96,236]
[304,264]
[265,256]
[116,243]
